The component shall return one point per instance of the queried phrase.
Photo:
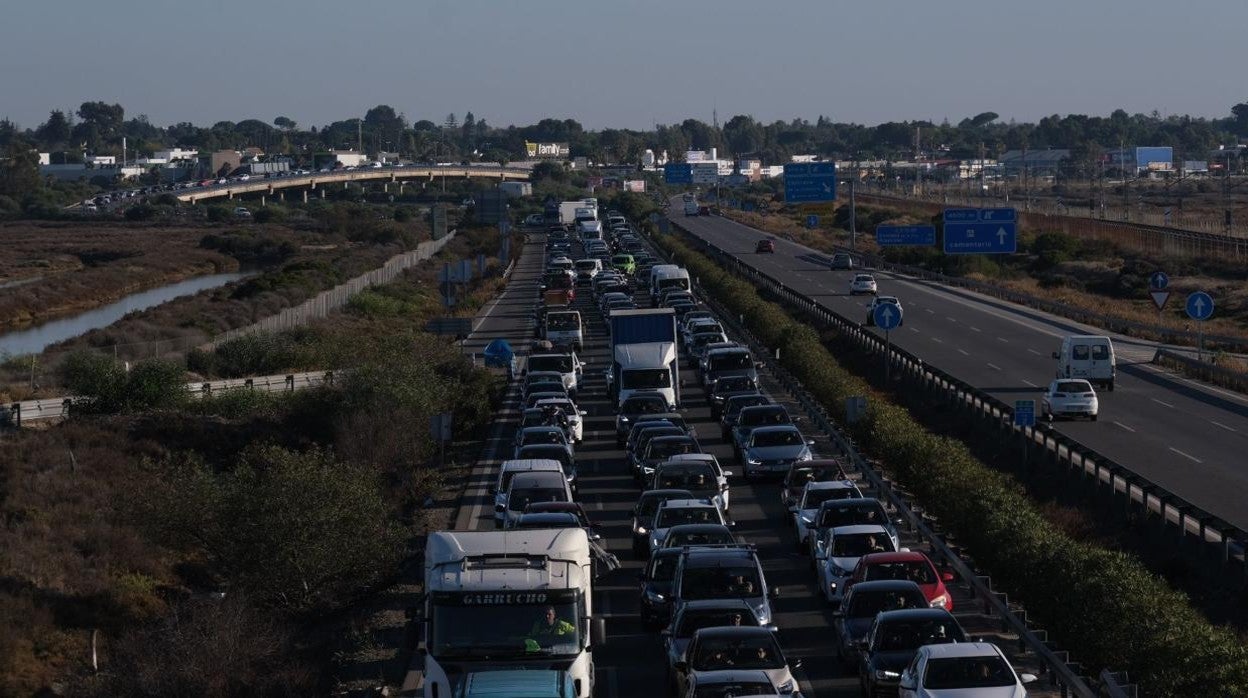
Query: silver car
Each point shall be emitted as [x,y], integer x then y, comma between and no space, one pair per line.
[714,650]
[771,450]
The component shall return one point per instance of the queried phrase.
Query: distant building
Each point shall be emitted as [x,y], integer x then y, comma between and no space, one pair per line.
[1039,163]
[515,189]
[750,168]
[347,158]
[224,159]
[45,158]
[99,160]
[176,154]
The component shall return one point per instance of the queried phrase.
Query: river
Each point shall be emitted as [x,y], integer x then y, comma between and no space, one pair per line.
[36,339]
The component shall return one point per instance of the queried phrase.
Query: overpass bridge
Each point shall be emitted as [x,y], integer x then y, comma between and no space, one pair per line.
[312,180]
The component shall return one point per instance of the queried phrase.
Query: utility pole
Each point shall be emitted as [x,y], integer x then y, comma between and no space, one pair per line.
[359,136]
[853,214]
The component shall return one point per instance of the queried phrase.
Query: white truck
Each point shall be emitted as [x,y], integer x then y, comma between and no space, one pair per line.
[581,209]
[643,354]
[488,602]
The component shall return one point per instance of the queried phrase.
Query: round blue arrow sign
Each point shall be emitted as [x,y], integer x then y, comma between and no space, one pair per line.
[886,316]
[1199,306]
[1158,281]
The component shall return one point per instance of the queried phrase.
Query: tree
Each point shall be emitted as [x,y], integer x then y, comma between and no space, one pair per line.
[983,119]
[284,123]
[54,131]
[19,171]
[105,119]
[1240,120]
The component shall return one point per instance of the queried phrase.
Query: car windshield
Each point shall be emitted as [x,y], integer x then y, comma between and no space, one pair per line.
[694,620]
[758,651]
[720,582]
[919,572]
[859,544]
[873,513]
[521,498]
[729,361]
[660,450]
[543,436]
[563,322]
[664,568]
[648,404]
[460,629]
[643,378]
[816,497]
[731,689]
[733,384]
[867,604]
[587,264]
[735,405]
[752,418]
[1073,387]
[863,278]
[560,364]
[903,635]
[676,516]
[688,477]
[648,505]
[784,437]
[548,521]
[967,672]
[679,539]
[548,451]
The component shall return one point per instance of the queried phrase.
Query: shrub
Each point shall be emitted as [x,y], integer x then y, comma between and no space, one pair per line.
[105,385]
[219,214]
[141,212]
[271,213]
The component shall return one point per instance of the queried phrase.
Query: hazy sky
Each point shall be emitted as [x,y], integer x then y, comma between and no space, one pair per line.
[621,63]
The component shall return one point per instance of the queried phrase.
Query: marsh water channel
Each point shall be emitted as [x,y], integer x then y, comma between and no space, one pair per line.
[35,339]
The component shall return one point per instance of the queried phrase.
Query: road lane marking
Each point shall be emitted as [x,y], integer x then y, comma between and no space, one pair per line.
[1220,424]
[975,329]
[912,329]
[950,319]
[938,340]
[929,310]
[1194,458]
[1030,383]
[1162,402]
[963,352]
[1035,352]
[1003,339]
[994,367]
[1124,426]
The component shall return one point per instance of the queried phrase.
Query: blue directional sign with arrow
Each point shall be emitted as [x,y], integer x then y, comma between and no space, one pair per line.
[981,231]
[809,182]
[1025,413]
[678,173]
[887,316]
[1199,306]
[812,221]
[1158,281]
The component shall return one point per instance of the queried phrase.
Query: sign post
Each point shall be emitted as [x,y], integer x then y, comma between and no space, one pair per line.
[980,231]
[1157,283]
[809,182]
[1200,308]
[887,317]
[1025,416]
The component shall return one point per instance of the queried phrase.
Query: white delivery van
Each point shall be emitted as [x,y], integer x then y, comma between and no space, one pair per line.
[563,329]
[1089,357]
[668,278]
[589,230]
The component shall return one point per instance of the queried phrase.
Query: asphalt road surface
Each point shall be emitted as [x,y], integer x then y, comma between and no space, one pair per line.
[1187,437]
[633,662]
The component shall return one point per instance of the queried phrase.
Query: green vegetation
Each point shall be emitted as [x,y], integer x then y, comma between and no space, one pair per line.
[1104,606]
[106,386]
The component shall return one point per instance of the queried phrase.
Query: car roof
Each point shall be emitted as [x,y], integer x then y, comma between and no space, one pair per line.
[541,427]
[899,556]
[774,427]
[830,485]
[850,502]
[527,464]
[689,503]
[913,614]
[684,458]
[539,478]
[858,529]
[667,493]
[555,507]
[711,557]
[962,649]
[733,631]
[699,528]
[548,516]
[884,585]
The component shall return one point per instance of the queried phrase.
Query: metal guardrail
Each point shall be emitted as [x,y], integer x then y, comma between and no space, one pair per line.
[52,408]
[1218,375]
[1061,672]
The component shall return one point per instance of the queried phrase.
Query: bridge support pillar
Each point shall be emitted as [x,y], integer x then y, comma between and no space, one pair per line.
[264,200]
[346,185]
[281,195]
[229,195]
[385,187]
[322,193]
[305,196]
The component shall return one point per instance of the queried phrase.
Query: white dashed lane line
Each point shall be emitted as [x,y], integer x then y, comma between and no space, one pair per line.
[1035,352]
[975,329]
[1189,457]
[1220,424]
[1003,339]
[1030,383]
[1124,426]
[1162,403]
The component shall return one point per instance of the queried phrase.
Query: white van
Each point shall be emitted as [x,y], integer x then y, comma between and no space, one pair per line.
[664,279]
[589,230]
[508,470]
[563,329]
[1089,357]
[587,269]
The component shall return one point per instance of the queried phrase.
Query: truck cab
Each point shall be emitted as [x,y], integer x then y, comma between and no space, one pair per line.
[515,600]
[517,683]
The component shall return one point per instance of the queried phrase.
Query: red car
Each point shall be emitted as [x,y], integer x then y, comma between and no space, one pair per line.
[766,246]
[912,565]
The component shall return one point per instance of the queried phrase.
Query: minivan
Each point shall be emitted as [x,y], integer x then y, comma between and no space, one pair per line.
[1089,357]
[507,471]
[529,487]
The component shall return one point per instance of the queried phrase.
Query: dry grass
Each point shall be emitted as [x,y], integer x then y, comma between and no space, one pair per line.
[74,268]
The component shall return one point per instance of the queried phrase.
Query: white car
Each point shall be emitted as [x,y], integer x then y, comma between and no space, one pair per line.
[542,435]
[813,495]
[575,427]
[962,669]
[862,283]
[838,549]
[1069,398]
[881,300]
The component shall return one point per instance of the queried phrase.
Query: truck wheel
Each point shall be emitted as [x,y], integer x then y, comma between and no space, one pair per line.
[1111,386]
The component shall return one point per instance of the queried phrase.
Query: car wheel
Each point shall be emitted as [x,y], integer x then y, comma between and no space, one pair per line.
[1094,418]
[800,546]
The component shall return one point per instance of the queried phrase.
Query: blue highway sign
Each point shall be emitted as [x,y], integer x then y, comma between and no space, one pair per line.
[886,316]
[887,235]
[809,182]
[1025,413]
[1158,281]
[678,173]
[1199,306]
[980,231]
[812,221]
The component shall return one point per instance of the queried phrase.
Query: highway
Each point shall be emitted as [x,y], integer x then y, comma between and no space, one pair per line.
[1186,437]
[632,662]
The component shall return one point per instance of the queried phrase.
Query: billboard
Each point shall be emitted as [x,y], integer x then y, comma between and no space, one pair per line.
[635,185]
[1154,158]
[705,172]
[547,150]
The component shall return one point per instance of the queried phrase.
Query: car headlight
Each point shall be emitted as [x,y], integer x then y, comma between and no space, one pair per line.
[807,521]
[940,601]
[786,687]
[624,419]
[654,596]
[885,675]
[641,530]
[752,460]
[805,455]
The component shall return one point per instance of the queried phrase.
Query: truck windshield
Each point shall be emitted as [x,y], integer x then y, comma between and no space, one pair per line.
[561,364]
[562,322]
[646,378]
[496,630]
[674,282]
